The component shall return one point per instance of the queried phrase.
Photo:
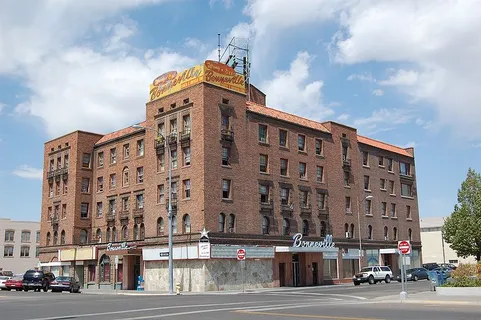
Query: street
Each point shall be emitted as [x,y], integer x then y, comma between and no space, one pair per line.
[345,302]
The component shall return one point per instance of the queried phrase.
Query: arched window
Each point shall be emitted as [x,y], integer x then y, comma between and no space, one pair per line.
[265,225]
[108,235]
[136,232]
[174,224]
[48,238]
[386,233]
[125,233]
[186,223]
[231,222]
[286,226]
[410,234]
[83,236]
[394,233]
[346,231]
[305,227]
[55,238]
[323,229]
[62,237]
[114,234]
[160,226]
[98,235]
[369,232]
[352,230]
[142,231]
[104,268]
[221,222]
[125,176]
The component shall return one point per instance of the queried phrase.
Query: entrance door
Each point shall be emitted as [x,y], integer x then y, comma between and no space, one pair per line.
[314,273]
[136,270]
[295,270]
[79,275]
[282,274]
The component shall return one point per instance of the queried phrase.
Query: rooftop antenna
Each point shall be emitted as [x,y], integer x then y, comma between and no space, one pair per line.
[237,56]
[218,45]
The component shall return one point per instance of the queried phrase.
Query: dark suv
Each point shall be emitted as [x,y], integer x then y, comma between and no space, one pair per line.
[37,280]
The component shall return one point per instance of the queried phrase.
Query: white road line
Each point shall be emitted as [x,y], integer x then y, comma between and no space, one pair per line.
[331,294]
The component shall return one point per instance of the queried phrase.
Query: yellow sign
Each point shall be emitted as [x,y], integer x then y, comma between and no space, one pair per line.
[212,72]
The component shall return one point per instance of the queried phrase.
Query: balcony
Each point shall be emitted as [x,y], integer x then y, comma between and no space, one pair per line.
[138,212]
[346,163]
[227,135]
[58,173]
[124,214]
[323,213]
[287,209]
[110,216]
[160,147]
[267,206]
[406,176]
[54,220]
[185,137]
[172,140]
[306,209]
[174,203]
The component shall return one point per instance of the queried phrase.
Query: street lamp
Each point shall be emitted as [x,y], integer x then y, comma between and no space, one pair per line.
[359,226]
[169,212]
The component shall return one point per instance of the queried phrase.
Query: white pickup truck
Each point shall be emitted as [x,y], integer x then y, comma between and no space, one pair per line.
[372,275]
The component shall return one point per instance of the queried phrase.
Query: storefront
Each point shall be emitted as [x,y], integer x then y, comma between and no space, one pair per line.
[119,266]
[76,261]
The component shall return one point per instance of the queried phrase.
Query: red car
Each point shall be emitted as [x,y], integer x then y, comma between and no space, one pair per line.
[15,283]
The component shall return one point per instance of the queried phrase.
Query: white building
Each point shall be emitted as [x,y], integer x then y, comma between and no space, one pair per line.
[19,242]
[435,249]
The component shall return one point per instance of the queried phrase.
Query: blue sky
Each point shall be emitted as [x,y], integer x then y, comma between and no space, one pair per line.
[405,72]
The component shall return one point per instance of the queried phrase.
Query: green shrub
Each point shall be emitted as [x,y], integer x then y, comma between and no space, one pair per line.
[466,275]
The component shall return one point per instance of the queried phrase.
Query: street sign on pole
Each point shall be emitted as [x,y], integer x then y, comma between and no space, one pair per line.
[241,254]
[404,247]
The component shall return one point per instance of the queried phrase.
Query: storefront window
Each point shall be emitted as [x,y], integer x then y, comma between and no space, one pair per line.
[65,270]
[91,273]
[372,257]
[330,269]
[349,267]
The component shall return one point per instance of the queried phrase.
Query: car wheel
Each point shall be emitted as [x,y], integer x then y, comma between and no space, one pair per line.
[26,290]
[45,289]
[415,278]
[356,283]
[388,279]
[371,280]
[71,290]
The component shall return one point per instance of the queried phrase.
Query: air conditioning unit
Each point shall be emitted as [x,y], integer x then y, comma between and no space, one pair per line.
[348,235]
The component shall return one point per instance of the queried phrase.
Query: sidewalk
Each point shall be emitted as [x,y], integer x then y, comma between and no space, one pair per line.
[430,297]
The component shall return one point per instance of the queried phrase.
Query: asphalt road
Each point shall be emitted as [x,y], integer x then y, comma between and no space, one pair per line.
[346,302]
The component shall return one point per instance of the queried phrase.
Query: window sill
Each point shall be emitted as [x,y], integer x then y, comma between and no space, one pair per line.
[384,190]
[265,173]
[347,187]
[366,166]
[285,148]
[407,197]
[100,167]
[369,215]
[85,192]
[394,218]
[390,171]
[140,156]
[385,217]
[392,194]
[227,200]
[227,166]
[304,179]
[409,219]
[321,182]
[186,166]
[367,190]
[265,144]
[100,191]
[8,257]
[187,199]
[112,164]
[349,213]
[84,218]
[382,166]
[302,152]
[320,156]
[283,176]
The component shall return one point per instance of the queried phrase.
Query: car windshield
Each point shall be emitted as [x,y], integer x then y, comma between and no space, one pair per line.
[3,277]
[411,270]
[367,269]
[62,279]
[18,277]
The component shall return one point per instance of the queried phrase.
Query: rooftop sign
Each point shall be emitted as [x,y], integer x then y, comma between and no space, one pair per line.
[212,72]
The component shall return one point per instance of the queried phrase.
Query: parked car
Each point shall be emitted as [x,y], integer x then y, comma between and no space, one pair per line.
[15,283]
[415,274]
[430,266]
[37,280]
[6,273]
[372,275]
[448,265]
[63,283]
[3,279]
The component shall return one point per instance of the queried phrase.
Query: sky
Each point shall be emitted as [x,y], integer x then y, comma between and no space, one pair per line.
[404,72]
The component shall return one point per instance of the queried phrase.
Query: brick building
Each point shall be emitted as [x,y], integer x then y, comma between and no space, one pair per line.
[253,176]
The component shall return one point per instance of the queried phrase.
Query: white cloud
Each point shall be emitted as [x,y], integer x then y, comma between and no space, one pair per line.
[343,117]
[291,90]
[194,43]
[362,77]
[27,172]
[377,92]
[2,106]
[410,144]
[379,119]
[227,3]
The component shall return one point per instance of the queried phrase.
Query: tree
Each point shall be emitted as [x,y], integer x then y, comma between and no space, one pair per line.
[462,230]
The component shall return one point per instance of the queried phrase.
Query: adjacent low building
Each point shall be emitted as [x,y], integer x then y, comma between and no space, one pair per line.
[299,196]
[20,242]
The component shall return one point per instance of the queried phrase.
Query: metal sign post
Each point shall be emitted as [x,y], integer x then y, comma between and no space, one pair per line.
[404,248]
[241,257]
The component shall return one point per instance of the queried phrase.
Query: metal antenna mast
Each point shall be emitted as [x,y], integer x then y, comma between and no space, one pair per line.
[236,55]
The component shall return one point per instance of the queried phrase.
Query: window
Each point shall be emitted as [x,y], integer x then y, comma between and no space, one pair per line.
[113,156]
[263,163]
[186,123]
[186,189]
[98,235]
[404,169]
[186,152]
[64,211]
[126,149]
[231,222]
[393,210]
[367,183]
[136,232]
[302,170]
[394,233]
[100,184]
[389,164]
[301,142]
[225,122]
[283,138]
[48,238]
[173,126]
[286,227]
[9,235]
[55,238]
[57,188]
[352,230]
[37,252]
[24,252]
[84,210]
[321,200]
[225,156]
[57,211]
[304,199]
[410,234]
[186,223]
[305,227]
[51,165]
[265,225]
[37,238]
[113,180]
[65,186]
[83,236]
[391,187]
[320,174]
[347,178]
[99,209]
[125,204]
[160,193]
[65,161]
[174,159]
[368,206]
[59,163]
[125,176]
[381,161]
[49,213]
[284,196]
[365,158]
[384,209]
[348,204]
[226,189]
[323,229]
[408,212]
[406,190]
[262,133]
[86,160]
[161,162]
[100,159]
[221,222]
[140,147]
[50,190]
[160,226]
[85,185]
[139,201]
[25,236]
[369,232]
[264,193]
[161,128]
[383,184]
[284,167]
[140,175]
[319,147]
[124,233]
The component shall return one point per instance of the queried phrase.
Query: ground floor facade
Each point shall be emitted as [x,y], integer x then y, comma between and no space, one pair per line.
[201,266]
